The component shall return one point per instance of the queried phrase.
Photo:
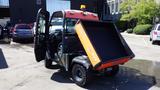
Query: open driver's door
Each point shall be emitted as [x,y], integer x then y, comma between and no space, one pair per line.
[41,33]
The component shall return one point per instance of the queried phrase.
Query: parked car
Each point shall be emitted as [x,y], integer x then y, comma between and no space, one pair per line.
[155,34]
[22,32]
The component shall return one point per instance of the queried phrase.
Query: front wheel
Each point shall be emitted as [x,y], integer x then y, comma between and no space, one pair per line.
[80,75]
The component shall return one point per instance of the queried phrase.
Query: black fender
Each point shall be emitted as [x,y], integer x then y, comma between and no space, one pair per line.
[83,60]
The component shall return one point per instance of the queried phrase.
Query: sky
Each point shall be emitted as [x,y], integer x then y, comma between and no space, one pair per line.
[4,2]
[60,5]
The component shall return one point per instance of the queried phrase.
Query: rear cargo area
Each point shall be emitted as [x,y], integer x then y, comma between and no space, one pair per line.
[106,41]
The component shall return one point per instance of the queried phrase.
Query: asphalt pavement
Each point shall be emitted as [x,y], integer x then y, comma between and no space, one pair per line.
[20,71]
[142,47]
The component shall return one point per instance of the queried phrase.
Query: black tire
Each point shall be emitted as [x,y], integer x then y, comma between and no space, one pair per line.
[80,75]
[150,39]
[48,61]
[153,42]
[113,72]
[14,40]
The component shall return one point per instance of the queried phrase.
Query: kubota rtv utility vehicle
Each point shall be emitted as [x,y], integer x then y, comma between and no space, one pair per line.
[80,43]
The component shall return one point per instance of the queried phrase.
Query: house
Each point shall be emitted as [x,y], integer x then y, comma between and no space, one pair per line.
[25,11]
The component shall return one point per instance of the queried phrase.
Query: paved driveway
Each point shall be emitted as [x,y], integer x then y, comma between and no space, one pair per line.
[20,71]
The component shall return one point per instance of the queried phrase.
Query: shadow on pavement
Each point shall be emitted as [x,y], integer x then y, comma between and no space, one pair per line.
[3,63]
[126,79]
[61,77]
[20,44]
[4,41]
[24,41]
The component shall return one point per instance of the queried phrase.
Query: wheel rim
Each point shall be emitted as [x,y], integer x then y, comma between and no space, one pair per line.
[60,48]
[78,75]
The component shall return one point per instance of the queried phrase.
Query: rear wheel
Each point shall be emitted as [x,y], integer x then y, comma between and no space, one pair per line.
[80,75]
[112,71]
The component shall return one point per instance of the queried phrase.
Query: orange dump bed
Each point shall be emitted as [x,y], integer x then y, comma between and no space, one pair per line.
[103,43]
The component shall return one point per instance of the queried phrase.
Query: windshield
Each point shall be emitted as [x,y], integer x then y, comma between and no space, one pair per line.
[56,25]
[70,23]
[57,21]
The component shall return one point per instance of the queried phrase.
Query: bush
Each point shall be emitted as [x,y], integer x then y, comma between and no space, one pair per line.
[130,30]
[122,25]
[142,29]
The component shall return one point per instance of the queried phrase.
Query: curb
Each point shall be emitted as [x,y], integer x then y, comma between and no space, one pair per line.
[134,35]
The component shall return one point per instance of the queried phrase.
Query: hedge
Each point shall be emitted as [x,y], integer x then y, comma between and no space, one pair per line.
[142,29]
[122,25]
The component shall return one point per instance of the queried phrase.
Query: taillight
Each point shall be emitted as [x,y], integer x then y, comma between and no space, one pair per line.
[155,33]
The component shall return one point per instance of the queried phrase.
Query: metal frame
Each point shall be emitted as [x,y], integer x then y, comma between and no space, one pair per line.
[66,61]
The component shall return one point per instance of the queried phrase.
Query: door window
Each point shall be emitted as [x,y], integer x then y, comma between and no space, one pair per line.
[41,25]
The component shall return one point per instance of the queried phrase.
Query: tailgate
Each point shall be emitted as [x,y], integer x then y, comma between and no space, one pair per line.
[102,42]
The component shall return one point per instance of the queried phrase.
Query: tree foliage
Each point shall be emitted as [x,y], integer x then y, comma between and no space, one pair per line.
[142,10]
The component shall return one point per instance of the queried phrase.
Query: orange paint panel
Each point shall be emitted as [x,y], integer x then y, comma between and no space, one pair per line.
[91,53]
[112,63]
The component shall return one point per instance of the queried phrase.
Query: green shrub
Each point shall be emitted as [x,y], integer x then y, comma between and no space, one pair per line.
[142,29]
[122,25]
[130,30]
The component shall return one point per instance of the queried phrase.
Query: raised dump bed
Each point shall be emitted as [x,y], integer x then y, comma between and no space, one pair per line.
[103,43]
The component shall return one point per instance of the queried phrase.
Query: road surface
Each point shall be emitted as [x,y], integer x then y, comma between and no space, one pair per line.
[20,71]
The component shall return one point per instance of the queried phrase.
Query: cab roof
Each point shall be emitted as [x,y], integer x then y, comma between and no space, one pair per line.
[77,14]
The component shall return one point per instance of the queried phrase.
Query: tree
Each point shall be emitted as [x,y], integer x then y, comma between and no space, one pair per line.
[143,11]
